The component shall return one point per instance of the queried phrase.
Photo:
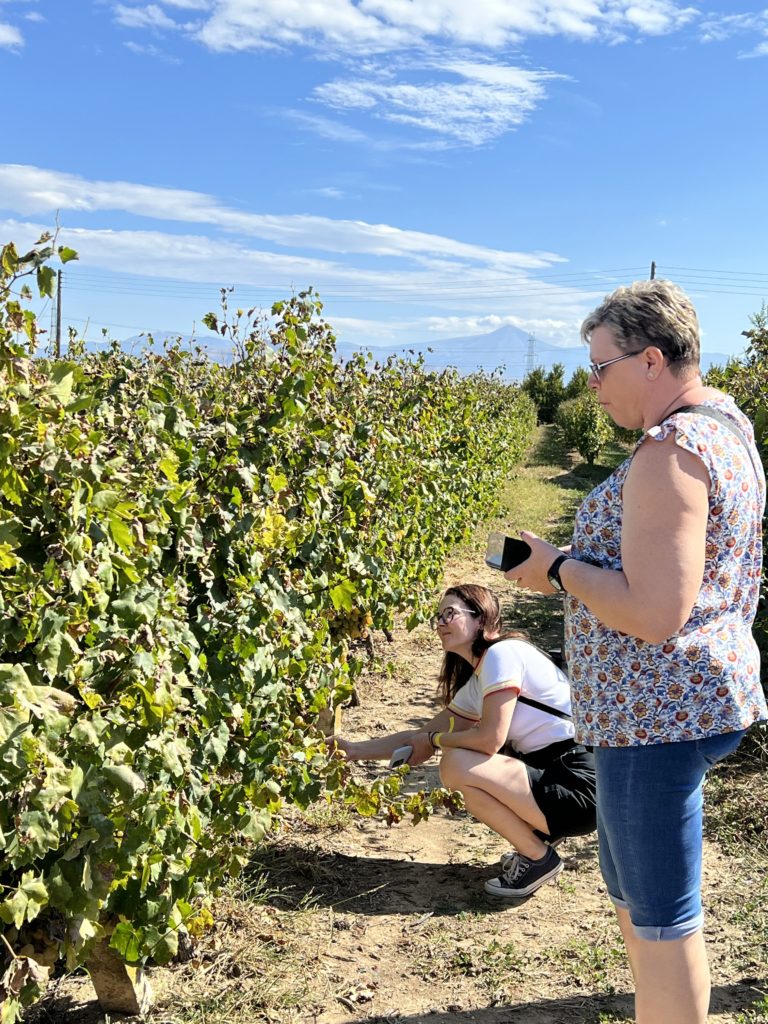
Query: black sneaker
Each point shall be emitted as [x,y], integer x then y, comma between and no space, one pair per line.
[522,876]
[555,841]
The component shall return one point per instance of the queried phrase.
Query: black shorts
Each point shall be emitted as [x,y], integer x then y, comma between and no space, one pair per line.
[562,778]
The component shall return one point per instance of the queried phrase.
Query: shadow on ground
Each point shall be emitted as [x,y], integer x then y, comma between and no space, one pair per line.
[370,885]
[579,1010]
[586,1009]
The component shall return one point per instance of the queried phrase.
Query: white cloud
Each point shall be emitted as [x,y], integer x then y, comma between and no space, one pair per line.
[190,5]
[148,50]
[326,128]
[150,16]
[34,16]
[655,17]
[340,24]
[717,28]
[761,50]
[560,331]
[488,101]
[376,26]
[10,37]
[31,190]
[329,192]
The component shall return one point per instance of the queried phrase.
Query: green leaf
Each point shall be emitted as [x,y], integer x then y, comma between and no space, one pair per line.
[121,533]
[342,595]
[169,466]
[7,559]
[26,902]
[125,780]
[136,607]
[66,254]
[57,651]
[105,498]
[79,577]
[128,942]
[45,281]
[62,375]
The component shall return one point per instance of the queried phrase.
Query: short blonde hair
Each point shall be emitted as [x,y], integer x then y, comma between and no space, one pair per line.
[656,313]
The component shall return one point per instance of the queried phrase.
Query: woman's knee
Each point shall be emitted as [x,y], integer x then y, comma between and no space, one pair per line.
[453,767]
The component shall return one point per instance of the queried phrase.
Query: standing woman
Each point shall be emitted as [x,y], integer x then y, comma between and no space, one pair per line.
[661,585]
[506,737]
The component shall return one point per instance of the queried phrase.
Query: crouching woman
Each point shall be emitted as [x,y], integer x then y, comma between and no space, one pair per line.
[506,738]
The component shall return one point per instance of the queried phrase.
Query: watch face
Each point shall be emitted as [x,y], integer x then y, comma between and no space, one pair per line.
[555,581]
[554,574]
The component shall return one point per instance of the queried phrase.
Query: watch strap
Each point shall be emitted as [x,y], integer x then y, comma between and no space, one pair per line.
[553,573]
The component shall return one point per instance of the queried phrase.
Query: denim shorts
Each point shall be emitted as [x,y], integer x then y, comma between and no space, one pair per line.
[649,826]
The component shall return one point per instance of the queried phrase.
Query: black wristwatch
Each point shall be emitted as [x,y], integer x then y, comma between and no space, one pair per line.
[553,573]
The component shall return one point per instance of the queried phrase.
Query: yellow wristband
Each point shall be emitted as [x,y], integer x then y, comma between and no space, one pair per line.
[436,739]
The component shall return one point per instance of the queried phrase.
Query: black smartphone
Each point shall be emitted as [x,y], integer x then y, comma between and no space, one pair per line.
[505,553]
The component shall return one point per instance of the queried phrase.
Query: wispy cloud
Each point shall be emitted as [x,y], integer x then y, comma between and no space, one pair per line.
[151,16]
[34,16]
[436,102]
[487,101]
[329,192]
[761,50]
[148,50]
[326,128]
[10,37]
[191,5]
[32,190]
[718,28]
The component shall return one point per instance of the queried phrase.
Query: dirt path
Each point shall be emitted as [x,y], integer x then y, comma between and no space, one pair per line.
[407,933]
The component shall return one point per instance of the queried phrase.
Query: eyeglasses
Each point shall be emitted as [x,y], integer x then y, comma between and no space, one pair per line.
[448,615]
[595,368]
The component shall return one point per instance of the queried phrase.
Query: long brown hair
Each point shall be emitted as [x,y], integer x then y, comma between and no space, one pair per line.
[455,670]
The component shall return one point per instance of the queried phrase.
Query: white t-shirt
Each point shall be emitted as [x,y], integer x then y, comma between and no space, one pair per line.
[519,666]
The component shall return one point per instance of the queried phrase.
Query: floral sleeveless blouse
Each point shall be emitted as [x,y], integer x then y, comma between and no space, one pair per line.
[706,679]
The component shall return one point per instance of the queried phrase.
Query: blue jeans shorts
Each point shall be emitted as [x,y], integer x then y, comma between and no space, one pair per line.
[649,826]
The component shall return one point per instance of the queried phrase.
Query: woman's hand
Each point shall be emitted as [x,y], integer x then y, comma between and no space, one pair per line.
[532,573]
[341,747]
[422,748]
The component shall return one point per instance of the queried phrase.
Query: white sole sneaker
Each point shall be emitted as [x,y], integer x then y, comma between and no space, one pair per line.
[502,888]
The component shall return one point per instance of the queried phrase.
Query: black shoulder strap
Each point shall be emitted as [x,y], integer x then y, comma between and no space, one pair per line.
[716,414]
[543,707]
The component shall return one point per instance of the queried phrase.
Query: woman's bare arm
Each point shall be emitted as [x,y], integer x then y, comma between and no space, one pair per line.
[663,543]
[490,733]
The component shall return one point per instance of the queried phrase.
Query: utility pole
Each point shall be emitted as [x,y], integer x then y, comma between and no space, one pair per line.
[530,357]
[58,315]
[653,269]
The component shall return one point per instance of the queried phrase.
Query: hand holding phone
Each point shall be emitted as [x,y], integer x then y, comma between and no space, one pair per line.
[400,756]
[504,553]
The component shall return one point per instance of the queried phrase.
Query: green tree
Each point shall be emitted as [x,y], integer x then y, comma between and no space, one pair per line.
[578,384]
[583,425]
[547,390]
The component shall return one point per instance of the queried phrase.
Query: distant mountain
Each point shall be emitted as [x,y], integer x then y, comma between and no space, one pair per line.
[211,342]
[508,348]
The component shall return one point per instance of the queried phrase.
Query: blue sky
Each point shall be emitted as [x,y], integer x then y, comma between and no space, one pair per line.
[433,167]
